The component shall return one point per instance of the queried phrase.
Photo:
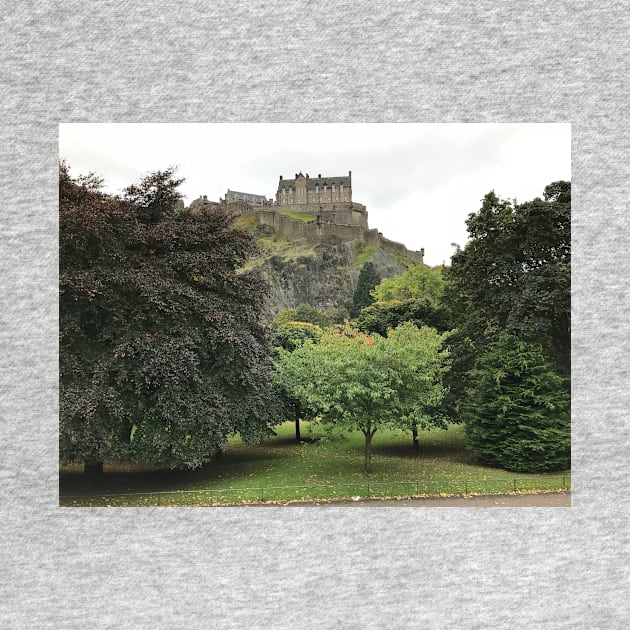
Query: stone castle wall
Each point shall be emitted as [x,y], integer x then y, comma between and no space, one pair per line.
[400,248]
[316,231]
[312,231]
[343,213]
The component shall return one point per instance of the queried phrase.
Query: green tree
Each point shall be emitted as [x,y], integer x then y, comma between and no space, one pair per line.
[416,297]
[517,409]
[382,316]
[302,313]
[362,297]
[514,274]
[360,382]
[155,195]
[289,337]
[162,351]
[559,191]
[293,334]
[419,282]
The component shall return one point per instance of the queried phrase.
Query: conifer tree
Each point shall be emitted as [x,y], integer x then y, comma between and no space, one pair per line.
[368,279]
[517,410]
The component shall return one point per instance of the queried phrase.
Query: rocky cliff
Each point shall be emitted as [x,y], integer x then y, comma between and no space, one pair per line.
[323,274]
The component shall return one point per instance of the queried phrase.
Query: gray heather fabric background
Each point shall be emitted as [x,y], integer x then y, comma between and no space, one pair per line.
[324,62]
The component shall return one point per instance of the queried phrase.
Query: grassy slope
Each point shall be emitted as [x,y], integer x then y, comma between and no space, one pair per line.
[442,466]
[299,216]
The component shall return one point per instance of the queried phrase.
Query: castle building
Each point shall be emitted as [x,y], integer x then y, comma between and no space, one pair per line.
[328,200]
[304,190]
[255,200]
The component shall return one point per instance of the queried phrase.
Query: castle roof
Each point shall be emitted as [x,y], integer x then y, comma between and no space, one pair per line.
[243,196]
[311,182]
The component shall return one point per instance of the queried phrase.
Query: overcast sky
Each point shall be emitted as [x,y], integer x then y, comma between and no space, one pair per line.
[418,181]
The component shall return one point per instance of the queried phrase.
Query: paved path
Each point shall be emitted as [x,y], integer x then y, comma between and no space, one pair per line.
[546,499]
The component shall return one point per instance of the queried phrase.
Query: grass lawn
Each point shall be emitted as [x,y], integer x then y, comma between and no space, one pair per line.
[266,472]
[299,216]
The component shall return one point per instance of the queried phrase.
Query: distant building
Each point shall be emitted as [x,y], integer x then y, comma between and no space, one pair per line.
[304,189]
[255,200]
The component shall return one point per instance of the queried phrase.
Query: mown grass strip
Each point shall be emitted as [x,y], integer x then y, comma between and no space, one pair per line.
[320,467]
[399,489]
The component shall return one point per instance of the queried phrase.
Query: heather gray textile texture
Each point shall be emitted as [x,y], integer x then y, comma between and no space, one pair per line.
[433,61]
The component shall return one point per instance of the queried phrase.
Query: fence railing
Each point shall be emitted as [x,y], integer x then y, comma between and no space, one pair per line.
[315,492]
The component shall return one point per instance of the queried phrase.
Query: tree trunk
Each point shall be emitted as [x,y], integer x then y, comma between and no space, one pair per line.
[93,468]
[414,433]
[368,450]
[297,429]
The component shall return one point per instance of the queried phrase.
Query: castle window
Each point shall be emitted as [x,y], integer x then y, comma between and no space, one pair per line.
[340,187]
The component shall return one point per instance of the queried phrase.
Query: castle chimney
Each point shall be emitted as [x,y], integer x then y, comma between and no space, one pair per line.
[349,173]
[320,176]
[280,177]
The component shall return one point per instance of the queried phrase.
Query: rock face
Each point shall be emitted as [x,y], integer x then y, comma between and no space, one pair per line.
[323,275]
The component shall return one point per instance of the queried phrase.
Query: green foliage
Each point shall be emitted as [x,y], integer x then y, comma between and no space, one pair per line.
[559,191]
[419,282]
[357,382]
[337,314]
[414,297]
[382,316]
[517,411]
[368,279]
[293,334]
[259,230]
[162,353]
[365,253]
[303,313]
[251,224]
[514,274]
[406,261]
[288,337]
[358,247]
[155,196]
